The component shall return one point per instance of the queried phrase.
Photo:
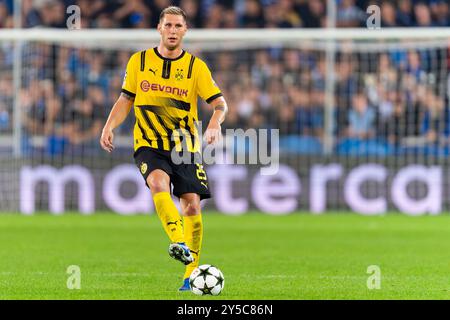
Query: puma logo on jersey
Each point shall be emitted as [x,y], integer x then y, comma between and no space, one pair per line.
[154,72]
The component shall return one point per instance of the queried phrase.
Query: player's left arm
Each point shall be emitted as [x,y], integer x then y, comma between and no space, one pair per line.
[213,132]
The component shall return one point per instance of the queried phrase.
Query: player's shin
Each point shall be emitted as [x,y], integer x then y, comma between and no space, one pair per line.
[193,234]
[169,216]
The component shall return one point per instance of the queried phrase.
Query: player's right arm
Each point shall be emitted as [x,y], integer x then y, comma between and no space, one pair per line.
[122,106]
[117,115]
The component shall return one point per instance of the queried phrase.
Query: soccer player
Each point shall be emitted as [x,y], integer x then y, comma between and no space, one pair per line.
[164,83]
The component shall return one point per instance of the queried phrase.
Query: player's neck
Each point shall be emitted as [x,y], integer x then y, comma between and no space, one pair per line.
[169,54]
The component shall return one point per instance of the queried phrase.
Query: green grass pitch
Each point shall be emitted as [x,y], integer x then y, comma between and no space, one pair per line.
[298,256]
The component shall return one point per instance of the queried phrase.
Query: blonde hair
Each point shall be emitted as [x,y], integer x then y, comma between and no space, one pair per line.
[172,10]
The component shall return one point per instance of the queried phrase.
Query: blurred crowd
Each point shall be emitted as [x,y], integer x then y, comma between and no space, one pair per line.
[145,13]
[391,101]
[227,13]
[386,102]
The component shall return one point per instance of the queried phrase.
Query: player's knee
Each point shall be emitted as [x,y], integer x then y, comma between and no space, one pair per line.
[192,209]
[157,185]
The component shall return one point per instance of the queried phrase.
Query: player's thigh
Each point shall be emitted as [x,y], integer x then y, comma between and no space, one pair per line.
[155,169]
[190,204]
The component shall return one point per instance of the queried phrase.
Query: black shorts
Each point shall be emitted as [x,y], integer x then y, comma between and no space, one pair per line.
[185,178]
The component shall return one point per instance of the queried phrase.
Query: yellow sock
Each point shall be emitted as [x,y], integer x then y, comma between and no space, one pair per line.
[169,216]
[193,234]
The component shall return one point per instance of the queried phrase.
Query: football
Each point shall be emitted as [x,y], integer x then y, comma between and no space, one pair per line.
[206,280]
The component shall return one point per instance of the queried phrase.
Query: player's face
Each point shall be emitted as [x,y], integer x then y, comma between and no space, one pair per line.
[172,29]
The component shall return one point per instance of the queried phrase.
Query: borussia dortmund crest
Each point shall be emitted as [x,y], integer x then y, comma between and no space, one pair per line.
[143,167]
[179,74]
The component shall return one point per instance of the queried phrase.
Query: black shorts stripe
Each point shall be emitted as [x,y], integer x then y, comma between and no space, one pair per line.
[191,65]
[142,60]
[210,99]
[131,94]
[159,139]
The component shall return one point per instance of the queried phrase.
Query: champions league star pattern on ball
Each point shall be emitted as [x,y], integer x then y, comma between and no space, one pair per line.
[207,280]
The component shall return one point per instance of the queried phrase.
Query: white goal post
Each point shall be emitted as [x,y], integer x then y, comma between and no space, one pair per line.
[217,35]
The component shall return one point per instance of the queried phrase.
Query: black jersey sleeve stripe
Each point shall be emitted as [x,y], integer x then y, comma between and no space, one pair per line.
[131,94]
[152,127]
[210,99]
[191,65]
[143,60]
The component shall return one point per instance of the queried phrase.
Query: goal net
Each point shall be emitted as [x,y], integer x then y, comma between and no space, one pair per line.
[363,118]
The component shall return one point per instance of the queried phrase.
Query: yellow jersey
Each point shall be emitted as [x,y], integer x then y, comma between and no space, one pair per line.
[165,95]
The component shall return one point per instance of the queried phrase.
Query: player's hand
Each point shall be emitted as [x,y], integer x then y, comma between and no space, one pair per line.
[106,140]
[213,132]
